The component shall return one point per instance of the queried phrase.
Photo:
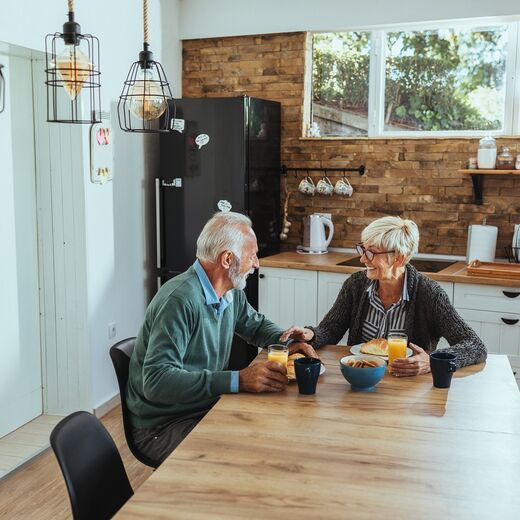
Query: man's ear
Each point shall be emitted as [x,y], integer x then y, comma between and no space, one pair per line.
[226,259]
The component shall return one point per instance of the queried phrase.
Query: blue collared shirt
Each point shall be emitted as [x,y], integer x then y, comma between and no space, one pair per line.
[219,306]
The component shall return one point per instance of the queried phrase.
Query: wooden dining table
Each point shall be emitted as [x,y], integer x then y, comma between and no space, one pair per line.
[404,450]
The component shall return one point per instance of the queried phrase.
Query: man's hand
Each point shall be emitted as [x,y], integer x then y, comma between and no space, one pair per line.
[263,377]
[305,349]
[418,363]
[297,333]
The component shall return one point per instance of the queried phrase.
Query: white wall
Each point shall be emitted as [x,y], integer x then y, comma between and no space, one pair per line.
[117,215]
[210,18]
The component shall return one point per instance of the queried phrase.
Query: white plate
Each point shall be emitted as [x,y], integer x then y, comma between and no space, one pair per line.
[322,369]
[356,349]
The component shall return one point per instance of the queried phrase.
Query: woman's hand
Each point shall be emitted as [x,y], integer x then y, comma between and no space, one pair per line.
[418,363]
[297,334]
[303,348]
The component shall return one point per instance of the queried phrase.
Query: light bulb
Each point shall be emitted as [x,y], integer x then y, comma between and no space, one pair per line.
[73,68]
[147,99]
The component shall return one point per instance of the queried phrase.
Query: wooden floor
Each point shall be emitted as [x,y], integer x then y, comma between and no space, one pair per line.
[37,490]
[23,444]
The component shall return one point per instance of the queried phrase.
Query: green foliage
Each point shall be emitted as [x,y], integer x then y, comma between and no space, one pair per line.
[429,76]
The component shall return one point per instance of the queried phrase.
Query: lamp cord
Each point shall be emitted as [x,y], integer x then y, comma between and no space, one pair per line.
[71,5]
[145,19]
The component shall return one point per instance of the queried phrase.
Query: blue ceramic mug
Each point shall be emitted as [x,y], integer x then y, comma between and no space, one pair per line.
[307,370]
[442,366]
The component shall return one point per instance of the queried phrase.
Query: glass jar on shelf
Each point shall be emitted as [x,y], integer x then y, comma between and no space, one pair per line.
[487,153]
[505,160]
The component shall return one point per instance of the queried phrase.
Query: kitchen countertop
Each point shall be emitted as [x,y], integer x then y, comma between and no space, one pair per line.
[456,272]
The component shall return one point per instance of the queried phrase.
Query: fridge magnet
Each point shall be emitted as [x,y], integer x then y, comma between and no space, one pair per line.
[224,205]
[101,152]
[202,140]
[178,125]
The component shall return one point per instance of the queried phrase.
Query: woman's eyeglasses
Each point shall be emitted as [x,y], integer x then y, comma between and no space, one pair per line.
[361,250]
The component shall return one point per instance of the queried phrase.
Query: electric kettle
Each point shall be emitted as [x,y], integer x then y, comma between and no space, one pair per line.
[314,239]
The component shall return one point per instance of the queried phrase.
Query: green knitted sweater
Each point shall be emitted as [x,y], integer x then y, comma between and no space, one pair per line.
[182,350]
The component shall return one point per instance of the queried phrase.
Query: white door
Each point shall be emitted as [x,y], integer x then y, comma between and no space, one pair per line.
[329,285]
[20,366]
[288,296]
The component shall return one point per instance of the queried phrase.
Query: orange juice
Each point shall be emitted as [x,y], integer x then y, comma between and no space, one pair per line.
[279,356]
[396,348]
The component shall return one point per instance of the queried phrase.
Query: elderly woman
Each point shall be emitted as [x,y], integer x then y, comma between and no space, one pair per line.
[392,295]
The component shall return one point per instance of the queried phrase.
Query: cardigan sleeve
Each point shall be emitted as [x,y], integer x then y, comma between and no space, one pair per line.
[467,347]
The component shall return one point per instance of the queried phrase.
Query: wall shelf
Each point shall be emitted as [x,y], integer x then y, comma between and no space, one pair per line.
[477,176]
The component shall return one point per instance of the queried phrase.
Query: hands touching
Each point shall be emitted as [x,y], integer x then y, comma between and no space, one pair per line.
[297,334]
[418,363]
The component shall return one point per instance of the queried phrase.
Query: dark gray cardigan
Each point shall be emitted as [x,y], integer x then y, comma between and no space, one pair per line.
[429,316]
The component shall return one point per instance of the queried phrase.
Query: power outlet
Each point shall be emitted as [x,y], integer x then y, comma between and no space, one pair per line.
[112,330]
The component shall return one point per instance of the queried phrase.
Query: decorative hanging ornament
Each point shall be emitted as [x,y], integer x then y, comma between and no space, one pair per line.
[143,104]
[72,68]
[2,90]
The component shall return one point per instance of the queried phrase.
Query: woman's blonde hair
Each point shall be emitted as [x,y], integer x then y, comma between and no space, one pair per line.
[393,234]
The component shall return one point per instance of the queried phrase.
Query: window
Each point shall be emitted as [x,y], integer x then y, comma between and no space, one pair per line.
[341,63]
[445,81]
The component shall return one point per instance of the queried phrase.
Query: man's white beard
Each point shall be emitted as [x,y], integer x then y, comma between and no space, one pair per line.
[237,278]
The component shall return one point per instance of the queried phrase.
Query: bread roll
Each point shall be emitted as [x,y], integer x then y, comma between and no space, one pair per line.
[290,364]
[376,347]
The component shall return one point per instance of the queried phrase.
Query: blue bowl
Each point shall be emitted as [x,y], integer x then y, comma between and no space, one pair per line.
[363,378]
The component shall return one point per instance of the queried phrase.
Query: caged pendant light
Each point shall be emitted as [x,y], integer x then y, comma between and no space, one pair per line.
[143,104]
[72,69]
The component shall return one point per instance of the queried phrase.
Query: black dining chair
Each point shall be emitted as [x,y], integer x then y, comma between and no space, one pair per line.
[96,479]
[120,354]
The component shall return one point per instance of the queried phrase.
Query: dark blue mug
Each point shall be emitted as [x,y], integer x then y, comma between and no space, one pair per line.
[307,370]
[442,366]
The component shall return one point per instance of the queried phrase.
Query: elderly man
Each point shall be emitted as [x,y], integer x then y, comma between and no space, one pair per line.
[178,368]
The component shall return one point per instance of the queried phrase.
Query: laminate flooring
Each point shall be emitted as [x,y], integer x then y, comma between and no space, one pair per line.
[37,490]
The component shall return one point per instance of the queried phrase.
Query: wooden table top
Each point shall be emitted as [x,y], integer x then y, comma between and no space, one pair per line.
[405,450]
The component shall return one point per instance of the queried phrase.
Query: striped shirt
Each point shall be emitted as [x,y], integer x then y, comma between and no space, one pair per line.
[379,322]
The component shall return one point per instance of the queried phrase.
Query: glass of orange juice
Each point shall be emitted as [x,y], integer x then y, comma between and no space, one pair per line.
[397,342]
[278,353]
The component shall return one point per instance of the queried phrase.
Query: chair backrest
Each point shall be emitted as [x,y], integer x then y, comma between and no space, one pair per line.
[91,465]
[120,354]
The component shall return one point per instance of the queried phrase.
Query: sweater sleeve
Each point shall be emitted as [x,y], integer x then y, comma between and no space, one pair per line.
[337,321]
[164,378]
[467,347]
[252,326]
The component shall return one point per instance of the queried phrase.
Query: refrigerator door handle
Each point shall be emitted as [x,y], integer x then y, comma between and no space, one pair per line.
[158,220]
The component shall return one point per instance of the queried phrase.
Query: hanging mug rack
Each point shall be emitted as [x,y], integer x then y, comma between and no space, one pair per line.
[285,170]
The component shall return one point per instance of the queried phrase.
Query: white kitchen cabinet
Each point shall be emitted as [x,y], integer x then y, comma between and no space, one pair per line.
[288,296]
[495,298]
[494,313]
[329,285]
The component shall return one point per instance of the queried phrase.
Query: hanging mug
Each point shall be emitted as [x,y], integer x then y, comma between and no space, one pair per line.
[306,186]
[343,187]
[324,186]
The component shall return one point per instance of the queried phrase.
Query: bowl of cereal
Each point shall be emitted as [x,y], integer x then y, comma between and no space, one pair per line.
[362,372]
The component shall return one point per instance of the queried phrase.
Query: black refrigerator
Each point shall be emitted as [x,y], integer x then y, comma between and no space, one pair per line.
[222,154]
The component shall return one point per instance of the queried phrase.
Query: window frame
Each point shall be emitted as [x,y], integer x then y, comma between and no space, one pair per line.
[377,78]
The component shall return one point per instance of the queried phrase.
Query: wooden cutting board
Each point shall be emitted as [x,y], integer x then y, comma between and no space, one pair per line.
[495,269]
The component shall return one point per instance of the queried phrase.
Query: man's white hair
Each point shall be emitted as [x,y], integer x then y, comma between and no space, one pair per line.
[224,231]
[393,234]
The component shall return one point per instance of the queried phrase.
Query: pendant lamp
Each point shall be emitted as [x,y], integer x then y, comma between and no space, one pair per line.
[72,68]
[143,104]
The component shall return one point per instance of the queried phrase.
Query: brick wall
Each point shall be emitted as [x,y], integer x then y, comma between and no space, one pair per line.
[413,178]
